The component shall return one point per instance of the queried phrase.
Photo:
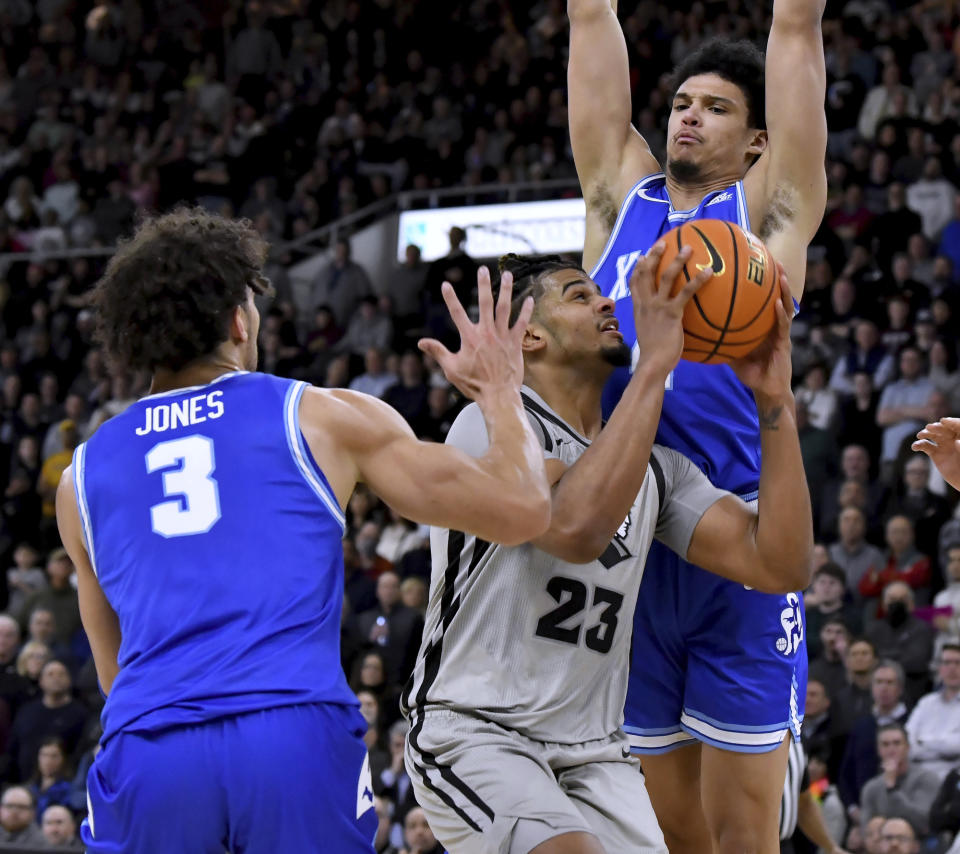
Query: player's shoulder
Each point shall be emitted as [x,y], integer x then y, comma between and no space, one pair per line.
[666,460]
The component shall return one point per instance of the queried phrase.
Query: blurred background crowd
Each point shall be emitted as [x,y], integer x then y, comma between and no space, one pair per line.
[295,113]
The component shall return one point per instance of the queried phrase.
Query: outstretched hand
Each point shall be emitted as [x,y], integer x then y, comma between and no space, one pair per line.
[768,370]
[941,442]
[657,312]
[489,360]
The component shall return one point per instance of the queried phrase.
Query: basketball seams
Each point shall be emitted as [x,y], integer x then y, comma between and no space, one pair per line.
[770,292]
[733,290]
[709,341]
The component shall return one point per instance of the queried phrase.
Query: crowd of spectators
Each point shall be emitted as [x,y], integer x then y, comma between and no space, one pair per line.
[294,113]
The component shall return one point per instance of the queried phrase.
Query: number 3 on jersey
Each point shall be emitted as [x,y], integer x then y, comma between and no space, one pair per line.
[186,465]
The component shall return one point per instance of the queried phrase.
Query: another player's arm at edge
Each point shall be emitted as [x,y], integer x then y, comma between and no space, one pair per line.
[787,188]
[609,154]
[99,619]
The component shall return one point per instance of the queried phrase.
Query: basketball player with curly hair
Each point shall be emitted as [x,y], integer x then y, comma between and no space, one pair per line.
[205,523]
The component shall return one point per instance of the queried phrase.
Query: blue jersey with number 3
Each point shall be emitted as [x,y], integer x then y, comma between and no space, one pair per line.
[217,541]
[708,414]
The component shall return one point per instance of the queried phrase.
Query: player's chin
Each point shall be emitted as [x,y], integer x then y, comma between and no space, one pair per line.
[617,355]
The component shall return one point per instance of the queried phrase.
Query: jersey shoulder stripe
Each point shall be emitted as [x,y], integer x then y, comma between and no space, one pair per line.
[532,406]
[657,470]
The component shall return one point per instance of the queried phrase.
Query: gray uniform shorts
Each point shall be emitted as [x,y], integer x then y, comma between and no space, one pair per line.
[489,790]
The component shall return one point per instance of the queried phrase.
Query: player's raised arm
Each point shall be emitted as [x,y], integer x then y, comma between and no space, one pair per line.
[502,496]
[769,549]
[609,154]
[99,619]
[790,176]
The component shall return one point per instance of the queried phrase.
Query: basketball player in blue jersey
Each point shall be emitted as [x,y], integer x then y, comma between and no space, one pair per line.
[205,522]
[718,671]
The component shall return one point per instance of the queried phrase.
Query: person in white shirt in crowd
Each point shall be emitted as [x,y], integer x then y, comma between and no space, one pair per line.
[881,99]
[934,724]
[948,625]
[904,404]
[932,197]
[821,401]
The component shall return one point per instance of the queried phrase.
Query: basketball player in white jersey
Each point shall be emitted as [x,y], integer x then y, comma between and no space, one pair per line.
[516,701]
[712,695]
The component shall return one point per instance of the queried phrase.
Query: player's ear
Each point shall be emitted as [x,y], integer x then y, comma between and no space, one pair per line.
[239,325]
[534,338]
[757,144]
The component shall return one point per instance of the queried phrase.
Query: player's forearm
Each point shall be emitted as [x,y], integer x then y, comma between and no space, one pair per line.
[798,13]
[514,460]
[785,522]
[595,495]
[810,821]
[579,9]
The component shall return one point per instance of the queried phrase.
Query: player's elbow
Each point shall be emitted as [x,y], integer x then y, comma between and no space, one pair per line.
[523,521]
[572,542]
[787,573]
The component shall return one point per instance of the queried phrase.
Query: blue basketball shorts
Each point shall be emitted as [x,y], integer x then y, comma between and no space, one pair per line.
[712,661]
[292,779]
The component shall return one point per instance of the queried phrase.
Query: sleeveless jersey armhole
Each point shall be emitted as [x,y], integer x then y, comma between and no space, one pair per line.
[303,459]
[79,488]
[621,214]
[742,210]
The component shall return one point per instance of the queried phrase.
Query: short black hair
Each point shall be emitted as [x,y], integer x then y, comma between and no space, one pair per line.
[740,61]
[528,276]
[168,292]
[834,570]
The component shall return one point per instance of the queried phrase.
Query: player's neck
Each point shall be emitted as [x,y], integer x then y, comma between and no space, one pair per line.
[575,398]
[198,372]
[685,196]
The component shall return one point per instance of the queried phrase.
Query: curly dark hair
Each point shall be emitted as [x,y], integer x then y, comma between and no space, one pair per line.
[528,276]
[168,293]
[741,62]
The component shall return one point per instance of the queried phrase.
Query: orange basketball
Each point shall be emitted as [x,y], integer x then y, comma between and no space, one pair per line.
[734,312]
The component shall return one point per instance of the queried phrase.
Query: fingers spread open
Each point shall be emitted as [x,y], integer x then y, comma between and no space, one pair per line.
[503,301]
[484,296]
[457,312]
[435,350]
[526,312]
